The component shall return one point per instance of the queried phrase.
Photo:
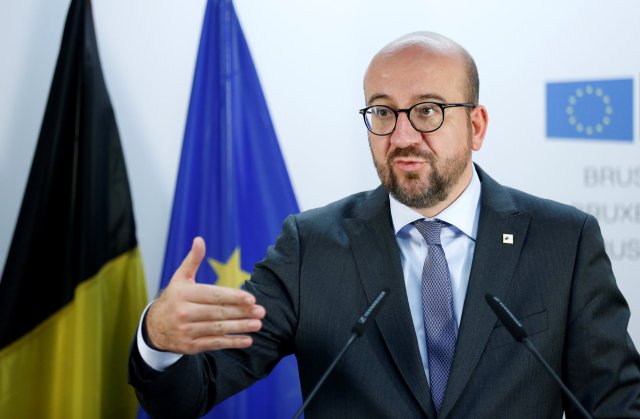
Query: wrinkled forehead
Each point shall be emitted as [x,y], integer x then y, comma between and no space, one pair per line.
[413,52]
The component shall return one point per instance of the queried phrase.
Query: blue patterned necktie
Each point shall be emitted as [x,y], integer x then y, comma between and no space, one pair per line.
[437,309]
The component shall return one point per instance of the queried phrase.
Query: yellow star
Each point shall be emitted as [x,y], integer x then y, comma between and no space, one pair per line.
[230,274]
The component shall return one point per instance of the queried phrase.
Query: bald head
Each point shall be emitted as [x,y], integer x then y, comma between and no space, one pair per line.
[437,45]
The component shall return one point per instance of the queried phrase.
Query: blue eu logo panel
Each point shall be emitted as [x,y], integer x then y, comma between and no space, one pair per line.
[591,110]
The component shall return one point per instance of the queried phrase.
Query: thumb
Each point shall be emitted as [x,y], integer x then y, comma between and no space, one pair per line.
[191,262]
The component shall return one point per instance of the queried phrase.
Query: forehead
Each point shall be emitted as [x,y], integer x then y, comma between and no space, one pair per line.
[412,73]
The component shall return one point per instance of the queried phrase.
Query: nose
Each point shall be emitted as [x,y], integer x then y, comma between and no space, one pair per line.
[405,135]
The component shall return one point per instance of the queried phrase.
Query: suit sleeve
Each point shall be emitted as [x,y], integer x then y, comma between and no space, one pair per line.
[601,364]
[196,383]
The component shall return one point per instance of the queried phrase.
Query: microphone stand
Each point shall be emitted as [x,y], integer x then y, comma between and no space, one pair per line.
[517,331]
[325,375]
[357,330]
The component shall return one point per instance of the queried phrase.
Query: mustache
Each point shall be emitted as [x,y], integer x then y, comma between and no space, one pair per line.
[410,152]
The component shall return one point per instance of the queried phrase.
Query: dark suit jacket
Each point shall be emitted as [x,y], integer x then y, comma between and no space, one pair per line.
[330,263]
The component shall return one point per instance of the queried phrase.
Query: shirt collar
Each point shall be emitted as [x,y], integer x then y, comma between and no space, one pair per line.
[463,213]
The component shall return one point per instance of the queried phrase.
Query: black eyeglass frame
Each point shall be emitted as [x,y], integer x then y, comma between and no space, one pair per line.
[407,111]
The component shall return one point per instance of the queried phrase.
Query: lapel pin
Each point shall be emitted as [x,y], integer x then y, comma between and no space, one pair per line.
[507,238]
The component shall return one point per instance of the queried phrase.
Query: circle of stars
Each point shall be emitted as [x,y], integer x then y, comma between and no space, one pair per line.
[581,93]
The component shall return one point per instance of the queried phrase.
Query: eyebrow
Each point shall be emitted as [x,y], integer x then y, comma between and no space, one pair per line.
[425,97]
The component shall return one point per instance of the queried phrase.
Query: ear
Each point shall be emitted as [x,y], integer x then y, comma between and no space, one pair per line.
[479,123]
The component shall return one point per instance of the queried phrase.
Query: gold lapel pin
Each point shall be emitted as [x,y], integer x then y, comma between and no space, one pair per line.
[507,238]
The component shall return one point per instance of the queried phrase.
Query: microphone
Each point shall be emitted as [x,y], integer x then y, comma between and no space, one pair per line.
[507,318]
[357,330]
[515,328]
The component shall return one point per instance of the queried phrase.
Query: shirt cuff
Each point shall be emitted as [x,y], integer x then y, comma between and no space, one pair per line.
[158,360]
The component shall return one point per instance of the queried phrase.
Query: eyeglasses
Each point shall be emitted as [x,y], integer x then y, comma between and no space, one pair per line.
[424,117]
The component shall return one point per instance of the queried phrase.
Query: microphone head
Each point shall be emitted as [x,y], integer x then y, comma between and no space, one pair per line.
[371,312]
[506,318]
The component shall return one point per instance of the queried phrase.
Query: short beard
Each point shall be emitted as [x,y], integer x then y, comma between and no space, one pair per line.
[422,194]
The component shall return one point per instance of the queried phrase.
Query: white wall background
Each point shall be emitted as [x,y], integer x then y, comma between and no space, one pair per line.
[312,54]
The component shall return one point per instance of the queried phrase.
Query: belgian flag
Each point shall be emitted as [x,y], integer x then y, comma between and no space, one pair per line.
[73,285]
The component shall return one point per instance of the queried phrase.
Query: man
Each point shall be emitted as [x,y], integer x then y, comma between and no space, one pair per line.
[439,234]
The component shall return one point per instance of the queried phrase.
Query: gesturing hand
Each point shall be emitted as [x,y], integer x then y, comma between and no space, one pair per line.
[189,318]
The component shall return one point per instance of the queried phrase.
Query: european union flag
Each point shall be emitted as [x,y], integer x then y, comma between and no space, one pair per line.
[599,109]
[233,189]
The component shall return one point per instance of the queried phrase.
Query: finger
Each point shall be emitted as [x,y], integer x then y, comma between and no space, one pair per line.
[221,328]
[213,294]
[206,312]
[191,262]
[221,342]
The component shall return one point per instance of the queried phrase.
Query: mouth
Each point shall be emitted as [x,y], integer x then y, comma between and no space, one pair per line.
[408,164]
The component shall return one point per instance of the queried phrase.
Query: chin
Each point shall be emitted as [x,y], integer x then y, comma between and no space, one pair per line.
[414,188]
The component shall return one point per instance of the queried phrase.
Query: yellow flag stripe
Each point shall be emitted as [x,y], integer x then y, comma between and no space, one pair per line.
[74,364]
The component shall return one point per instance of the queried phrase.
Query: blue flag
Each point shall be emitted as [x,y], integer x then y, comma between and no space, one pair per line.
[598,110]
[233,189]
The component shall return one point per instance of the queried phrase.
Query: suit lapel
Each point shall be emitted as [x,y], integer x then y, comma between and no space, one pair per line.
[377,258]
[494,261]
